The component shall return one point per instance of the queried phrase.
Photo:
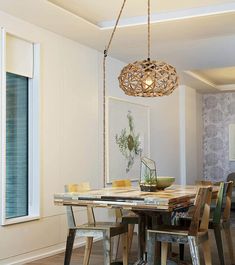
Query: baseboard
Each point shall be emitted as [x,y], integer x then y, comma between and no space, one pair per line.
[41,254]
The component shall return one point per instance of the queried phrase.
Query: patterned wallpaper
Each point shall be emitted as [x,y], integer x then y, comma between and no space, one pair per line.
[218,113]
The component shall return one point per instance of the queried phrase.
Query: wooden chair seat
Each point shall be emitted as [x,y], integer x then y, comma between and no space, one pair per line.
[177,230]
[113,228]
[105,230]
[102,225]
[195,234]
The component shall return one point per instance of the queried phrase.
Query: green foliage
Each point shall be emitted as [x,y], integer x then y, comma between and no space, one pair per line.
[150,178]
[129,143]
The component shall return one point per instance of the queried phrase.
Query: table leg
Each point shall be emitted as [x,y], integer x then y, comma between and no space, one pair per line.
[141,237]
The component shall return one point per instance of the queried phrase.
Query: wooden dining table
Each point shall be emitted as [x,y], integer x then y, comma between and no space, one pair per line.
[155,206]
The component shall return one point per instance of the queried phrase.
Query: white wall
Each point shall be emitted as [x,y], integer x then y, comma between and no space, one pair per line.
[191,135]
[69,136]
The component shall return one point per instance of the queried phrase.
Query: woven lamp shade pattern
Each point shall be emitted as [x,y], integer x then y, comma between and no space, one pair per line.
[148,79]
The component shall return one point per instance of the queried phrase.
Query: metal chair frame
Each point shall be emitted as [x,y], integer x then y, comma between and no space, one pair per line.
[92,229]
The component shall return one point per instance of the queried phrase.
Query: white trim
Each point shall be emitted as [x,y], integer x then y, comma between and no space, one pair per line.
[34,183]
[200,78]
[3,123]
[182,123]
[231,141]
[42,253]
[20,219]
[229,87]
[171,16]
[33,151]
[157,17]
[107,141]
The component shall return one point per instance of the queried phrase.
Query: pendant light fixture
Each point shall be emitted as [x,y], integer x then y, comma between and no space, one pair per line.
[148,78]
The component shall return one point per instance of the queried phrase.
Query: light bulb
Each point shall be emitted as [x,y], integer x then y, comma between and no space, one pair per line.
[148,82]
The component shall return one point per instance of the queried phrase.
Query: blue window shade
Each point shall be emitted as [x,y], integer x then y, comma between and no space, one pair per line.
[16,146]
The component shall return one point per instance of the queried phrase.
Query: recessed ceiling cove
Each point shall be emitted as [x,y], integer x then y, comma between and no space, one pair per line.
[103,12]
[218,76]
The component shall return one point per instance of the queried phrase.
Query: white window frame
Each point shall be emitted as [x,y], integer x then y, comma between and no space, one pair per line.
[33,137]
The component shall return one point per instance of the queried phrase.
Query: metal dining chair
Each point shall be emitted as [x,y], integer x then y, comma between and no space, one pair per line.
[195,234]
[128,218]
[219,221]
[92,229]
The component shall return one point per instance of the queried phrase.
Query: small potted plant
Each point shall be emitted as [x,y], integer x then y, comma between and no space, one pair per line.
[148,176]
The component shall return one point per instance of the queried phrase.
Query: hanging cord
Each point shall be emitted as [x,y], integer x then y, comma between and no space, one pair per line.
[149,30]
[104,92]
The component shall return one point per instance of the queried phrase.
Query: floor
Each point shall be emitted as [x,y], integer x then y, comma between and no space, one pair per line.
[97,253]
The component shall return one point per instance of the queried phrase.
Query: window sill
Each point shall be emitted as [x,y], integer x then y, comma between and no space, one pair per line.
[20,220]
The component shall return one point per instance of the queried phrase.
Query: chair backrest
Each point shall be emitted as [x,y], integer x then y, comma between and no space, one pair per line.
[203,183]
[228,202]
[201,211]
[82,187]
[231,177]
[121,183]
[223,202]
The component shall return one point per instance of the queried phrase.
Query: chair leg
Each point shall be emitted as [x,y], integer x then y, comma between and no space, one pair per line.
[151,245]
[89,242]
[69,246]
[181,246]
[170,250]
[130,235]
[107,248]
[207,252]
[115,247]
[125,248]
[228,236]
[218,238]
[164,249]
[194,250]
[141,236]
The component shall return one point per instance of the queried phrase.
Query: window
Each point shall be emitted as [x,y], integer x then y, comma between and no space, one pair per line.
[19,130]
[16,146]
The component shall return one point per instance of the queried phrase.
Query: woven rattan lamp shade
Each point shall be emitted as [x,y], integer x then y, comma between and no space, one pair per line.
[148,79]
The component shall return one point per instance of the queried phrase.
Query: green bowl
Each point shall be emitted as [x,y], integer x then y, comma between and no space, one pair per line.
[164,182]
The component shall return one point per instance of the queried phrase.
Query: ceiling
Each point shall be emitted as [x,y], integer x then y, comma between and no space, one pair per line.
[104,10]
[219,76]
[197,37]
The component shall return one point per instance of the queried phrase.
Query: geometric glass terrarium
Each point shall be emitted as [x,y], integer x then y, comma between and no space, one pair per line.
[148,175]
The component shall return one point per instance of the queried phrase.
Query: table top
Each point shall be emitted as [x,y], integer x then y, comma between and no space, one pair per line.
[174,197]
